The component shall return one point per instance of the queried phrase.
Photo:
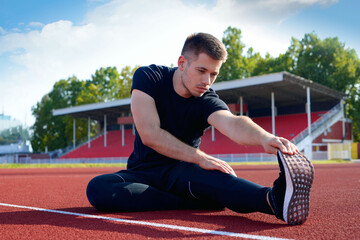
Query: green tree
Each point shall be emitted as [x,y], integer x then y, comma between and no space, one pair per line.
[97,89]
[50,131]
[353,110]
[326,61]
[234,67]
[269,64]
[106,84]
[251,61]
[125,82]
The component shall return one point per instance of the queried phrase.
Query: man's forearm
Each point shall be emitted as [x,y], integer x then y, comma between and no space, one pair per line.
[243,130]
[168,145]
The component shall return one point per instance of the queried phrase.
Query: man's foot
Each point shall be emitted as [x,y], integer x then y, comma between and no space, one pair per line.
[289,197]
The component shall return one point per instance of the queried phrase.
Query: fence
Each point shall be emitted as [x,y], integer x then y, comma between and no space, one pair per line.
[245,157]
[320,155]
[339,151]
[27,160]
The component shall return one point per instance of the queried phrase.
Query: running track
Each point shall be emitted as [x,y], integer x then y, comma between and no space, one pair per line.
[51,204]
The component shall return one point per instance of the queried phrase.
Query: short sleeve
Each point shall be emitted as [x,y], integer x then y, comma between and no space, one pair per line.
[211,104]
[146,79]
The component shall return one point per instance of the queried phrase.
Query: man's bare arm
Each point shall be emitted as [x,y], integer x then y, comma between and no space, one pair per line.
[242,130]
[147,123]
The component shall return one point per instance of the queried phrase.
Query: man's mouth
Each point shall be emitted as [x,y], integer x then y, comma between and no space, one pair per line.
[202,89]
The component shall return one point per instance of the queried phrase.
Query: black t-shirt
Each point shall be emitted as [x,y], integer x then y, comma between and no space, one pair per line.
[184,118]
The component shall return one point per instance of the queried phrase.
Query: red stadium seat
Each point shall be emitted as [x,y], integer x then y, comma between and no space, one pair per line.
[287,126]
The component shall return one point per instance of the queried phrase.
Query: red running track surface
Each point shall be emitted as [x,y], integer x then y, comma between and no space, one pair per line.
[334,212]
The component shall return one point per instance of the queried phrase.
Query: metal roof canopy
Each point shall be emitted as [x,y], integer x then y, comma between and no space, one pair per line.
[96,111]
[256,91]
[289,90]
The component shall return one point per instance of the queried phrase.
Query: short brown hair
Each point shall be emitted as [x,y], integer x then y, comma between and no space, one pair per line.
[204,43]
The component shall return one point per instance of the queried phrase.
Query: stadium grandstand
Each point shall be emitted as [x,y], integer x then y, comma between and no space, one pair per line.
[309,114]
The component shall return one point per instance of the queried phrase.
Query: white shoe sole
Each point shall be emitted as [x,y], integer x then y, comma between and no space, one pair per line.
[299,174]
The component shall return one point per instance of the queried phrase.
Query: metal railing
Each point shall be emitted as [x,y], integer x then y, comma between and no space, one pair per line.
[315,125]
[28,160]
[247,157]
[244,157]
[79,144]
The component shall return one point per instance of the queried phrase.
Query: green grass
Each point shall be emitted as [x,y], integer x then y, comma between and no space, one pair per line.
[63,165]
[92,165]
[275,163]
[331,161]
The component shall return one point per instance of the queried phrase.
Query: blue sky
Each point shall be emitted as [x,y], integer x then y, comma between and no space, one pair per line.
[18,13]
[44,41]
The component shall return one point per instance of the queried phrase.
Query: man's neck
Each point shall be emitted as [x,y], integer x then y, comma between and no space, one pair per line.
[178,85]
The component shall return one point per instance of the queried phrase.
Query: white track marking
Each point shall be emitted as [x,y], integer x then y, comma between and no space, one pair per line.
[160,225]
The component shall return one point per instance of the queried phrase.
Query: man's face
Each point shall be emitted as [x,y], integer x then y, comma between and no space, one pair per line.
[198,75]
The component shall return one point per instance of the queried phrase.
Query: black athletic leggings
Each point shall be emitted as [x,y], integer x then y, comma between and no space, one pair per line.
[191,188]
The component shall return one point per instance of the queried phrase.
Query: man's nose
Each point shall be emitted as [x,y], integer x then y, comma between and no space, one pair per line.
[206,79]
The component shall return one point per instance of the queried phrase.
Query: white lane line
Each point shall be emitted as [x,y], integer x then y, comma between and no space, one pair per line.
[160,225]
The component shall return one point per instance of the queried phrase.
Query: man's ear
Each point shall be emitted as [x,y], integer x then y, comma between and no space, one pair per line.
[181,63]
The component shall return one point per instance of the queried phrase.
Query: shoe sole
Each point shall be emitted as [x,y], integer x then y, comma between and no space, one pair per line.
[299,173]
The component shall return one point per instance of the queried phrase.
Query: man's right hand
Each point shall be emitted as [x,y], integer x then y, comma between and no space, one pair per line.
[211,163]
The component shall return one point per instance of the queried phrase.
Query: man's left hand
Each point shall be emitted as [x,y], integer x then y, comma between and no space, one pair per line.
[272,144]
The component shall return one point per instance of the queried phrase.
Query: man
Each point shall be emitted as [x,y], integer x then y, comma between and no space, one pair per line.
[171,108]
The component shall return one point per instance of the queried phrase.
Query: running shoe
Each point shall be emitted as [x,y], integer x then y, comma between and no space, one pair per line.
[290,195]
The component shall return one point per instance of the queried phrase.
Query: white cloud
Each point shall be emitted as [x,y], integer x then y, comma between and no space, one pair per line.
[263,11]
[128,32]
[2,31]
[35,24]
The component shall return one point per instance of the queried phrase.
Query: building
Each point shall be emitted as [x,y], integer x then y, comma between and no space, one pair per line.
[6,122]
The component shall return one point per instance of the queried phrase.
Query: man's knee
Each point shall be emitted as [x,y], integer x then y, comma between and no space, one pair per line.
[94,192]
[103,194]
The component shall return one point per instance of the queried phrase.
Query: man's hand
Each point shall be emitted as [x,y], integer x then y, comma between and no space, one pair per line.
[211,163]
[271,144]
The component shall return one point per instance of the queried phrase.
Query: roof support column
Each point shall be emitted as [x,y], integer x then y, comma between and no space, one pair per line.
[273,112]
[241,106]
[89,145]
[123,132]
[105,130]
[308,109]
[308,149]
[74,133]
[343,117]
[212,133]
[122,135]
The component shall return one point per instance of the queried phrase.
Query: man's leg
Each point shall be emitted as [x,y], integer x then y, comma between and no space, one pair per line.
[235,193]
[122,192]
[289,197]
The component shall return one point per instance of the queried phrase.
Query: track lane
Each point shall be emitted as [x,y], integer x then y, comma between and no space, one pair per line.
[334,202]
